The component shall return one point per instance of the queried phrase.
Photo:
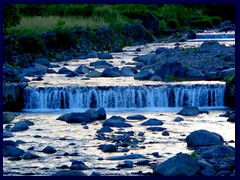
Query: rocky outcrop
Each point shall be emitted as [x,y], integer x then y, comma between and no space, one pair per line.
[13,99]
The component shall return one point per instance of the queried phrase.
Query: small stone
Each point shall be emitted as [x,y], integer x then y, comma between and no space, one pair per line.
[178,119]
[49,150]
[85,127]
[156,154]
[141,134]
[108,148]
[165,133]
[142,162]
[28,155]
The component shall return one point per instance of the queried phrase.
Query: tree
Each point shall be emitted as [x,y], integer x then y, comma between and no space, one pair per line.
[10,16]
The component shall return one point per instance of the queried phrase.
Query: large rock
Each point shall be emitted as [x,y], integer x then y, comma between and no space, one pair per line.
[19,126]
[75,117]
[92,113]
[10,74]
[81,70]
[101,63]
[33,71]
[108,147]
[136,117]
[191,34]
[111,72]
[71,74]
[146,58]
[101,113]
[78,165]
[170,69]
[126,71]
[143,75]
[29,155]
[49,150]
[210,46]
[189,111]
[179,165]
[152,122]
[12,151]
[194,73]
[130,156]
[105,56]
[64,70]
[203,138]
[226,73]
[7,134]
[9,116]
[69,173]
[94,73]
[116,121]
[42,61]
[13,96]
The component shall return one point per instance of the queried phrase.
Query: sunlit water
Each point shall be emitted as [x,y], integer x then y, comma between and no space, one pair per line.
[73,138]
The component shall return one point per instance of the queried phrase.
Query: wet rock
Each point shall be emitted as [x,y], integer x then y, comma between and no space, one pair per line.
[51,71]
[49,150]
[116,121]
[95,174]
[152,122]
[108,147]
[142,162]
[208,172]
[105,129]
[29,123]
[130,156]
[71,74]
[23,79]
[151,57]
[205,165]
[74,117]
[105,56]
[78,165]
[14,158]
[143,75]
[189,111]
[155,78]
[9,143]
[53,66]
[101,63]
[19,126]
[179,165]
[210,46]
[64,70]
[174,69]
[191,34]
[92,54]
[126,71]
[12,151]
[85,127]
[232,118]
[33,71]
[178,119]
[117,50]
[42,61]
[203,138]
[101,113]
[69,173]
[194,73]
[29,155]
[92,113]
[165,133]
[20,142]
[37,79]
[81,70]
[7,134]
[227,73]
[141,134]
[10,74]
[94,73]
[156,128]
[9,116]
[111,72]
[136,117]
[125,164]
[156,154]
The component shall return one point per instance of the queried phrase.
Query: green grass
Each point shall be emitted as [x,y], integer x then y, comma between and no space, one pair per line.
[40,25]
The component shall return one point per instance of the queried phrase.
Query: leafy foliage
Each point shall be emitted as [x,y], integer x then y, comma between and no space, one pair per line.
[11,17]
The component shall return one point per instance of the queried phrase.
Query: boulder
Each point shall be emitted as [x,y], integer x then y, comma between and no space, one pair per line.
[178,119]
[94,73]
[51,71]
[230,92]
[210,46]
[49,150]
[101,113]
[117,50]
[12,151]
[81,70]
[226,73]
[116,121]
[101,63]
[9,143]
[92,113]
[105,56]
[146,58]
[108,147]
[191,34]
[130,156]
[136,117]
[71,74]
[156,128]
[111,72]
[10,74]
[64,70]
[125,164]
[92,55]
[203,138]
[143,75]
[179,165]
[152,122]
[75,117]
[194,73]
[78,165]
[42,61]
[8,117]
[189,111]
[33,71]
[232,118]
[40,66]
[170,69]
[69,173]
[19,126]
[29,155]
[155,78]
[105,129]
[7,134]
[37,79]
[29,123]
[161,50]
[126,71]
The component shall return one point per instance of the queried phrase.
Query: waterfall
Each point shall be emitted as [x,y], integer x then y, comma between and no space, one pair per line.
[206,95]
[215,35]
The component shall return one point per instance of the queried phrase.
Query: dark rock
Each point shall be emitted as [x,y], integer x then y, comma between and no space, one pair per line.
[141,134]
[105,129]
[142,162]
[139,65]
[29,123]
[146,58]
[64,70]
[33,71]
[117,49]
[14,158]
[230,92]
[53,66]
[69,173]
[37,79]
[9,143]
[143,75]
[152,122]
[105,56]
[155,78]
[92,113]
[191,34]
[78,165]
[19,126]
[42,61]
[94,73]
[49,150]
[194,73]
[12,151]
[95,174]
[203,138]
[210,46]
[156,128]
[205,165]
[85,127]
[111,72]
[136,117]
[74,117]
[165,133]
[101,63]
[170,69]
[23,79]
[156,154]
[51,71]
[108,147]
[126,71]
[8,117]
[101,113]
[125,164]
[10,74]
[130,156]
[31,148]
[92,55]
[161,50]
[7,134]
[71,74]
[178,119]
[138,50]
[81,70]
[179,165]
[20,142]
[232,118]
[226,73]
[189,111]
[29,155]
[116,121]
[208,172]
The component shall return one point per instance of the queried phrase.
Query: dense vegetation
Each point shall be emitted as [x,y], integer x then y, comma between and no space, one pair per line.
[28,18]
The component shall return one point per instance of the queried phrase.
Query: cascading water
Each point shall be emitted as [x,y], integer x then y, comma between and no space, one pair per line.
[146,96]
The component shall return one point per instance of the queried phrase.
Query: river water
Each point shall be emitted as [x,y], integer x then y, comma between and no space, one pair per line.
[83,143]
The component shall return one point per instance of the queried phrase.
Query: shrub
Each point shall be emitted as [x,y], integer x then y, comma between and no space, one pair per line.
[173,23]
[11,17]
[216,20]
[203,22]
[163,25]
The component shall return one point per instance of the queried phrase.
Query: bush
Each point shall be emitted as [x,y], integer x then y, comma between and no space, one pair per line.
[173,23]
[11,17]
[203,22]
[163,25]
[216,20]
